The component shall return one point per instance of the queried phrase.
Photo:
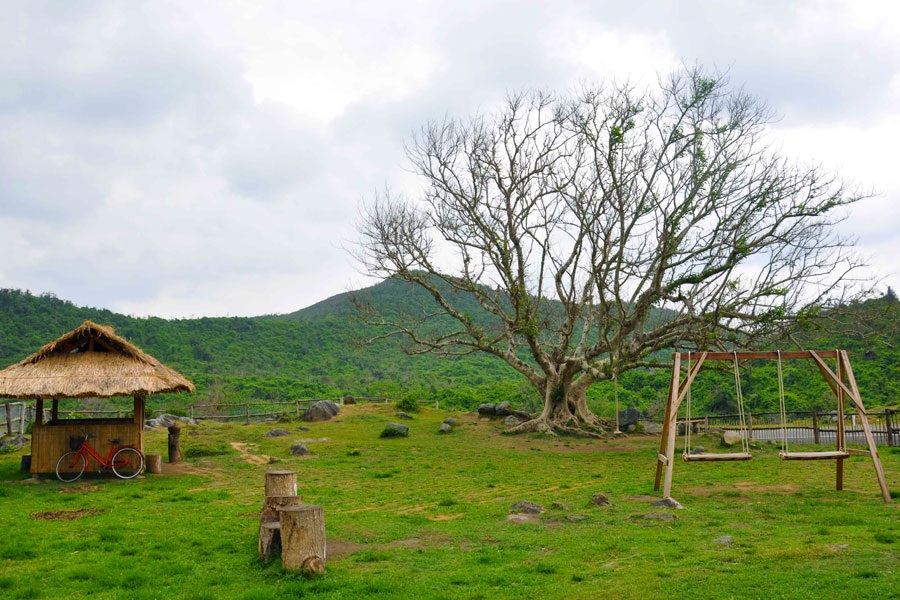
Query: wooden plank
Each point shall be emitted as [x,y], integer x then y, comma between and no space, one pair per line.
[870,439]
[671,419]
[825,455]
[666,428]
[711,457]
[751,355]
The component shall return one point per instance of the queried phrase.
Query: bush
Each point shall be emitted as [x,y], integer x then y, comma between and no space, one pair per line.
[408,405]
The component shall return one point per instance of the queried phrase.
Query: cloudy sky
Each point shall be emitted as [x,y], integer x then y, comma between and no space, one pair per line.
[199,158]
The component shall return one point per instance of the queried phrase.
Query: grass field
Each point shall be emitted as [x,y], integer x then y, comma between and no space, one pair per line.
[427,517]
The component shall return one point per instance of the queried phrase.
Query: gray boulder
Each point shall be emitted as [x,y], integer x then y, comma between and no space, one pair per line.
[445,428]
[450,421]
[277,433]
[528,508]
[651,428]
[392,430]
[15,442]
[628,417]
[512,421]
[299,450]
[730,438]
[320,411]
[669,503]
[600,500]
[403,415]
[487,409]
[504,409]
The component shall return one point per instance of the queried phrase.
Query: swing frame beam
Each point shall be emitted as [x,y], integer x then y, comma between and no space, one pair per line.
[841,381]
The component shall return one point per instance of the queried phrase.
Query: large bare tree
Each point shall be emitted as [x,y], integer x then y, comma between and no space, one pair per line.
[597,228]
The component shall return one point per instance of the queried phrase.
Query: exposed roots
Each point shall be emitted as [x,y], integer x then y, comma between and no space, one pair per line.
[568,426]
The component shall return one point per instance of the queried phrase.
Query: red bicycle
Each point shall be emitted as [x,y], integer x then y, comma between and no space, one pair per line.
[125,461]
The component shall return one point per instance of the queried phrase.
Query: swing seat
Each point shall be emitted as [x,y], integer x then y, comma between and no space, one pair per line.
[827,455]
[717,457]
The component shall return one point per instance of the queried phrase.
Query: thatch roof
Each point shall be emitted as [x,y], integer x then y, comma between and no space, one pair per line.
[89,362]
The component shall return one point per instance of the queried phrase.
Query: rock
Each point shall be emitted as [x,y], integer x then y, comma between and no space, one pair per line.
[278,433]
[698,450]
[521,415]
[299,450]
[403,415]
[504,409]
[600,500]
[15,442]
[660,516]
[725,540]
[526,507]
[445,428]
[730,438]
[631,428]
[668,503]
[575,518]
[450,421]
[512,421]
[559,506]
[302,428]
[651,428]
[522,518]
[392,430]
[320,411]
[487,409]
[167,420]
[628,417]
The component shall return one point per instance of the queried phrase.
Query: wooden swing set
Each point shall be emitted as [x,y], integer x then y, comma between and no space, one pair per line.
[840,380]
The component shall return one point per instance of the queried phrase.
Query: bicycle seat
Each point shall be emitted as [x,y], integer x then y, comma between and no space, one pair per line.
[115,441]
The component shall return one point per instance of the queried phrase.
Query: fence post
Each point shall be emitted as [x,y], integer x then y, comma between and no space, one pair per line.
[22,420]
[749,426]
[815,419]
[889,425]
[192,412]
[247,406]
[8,418]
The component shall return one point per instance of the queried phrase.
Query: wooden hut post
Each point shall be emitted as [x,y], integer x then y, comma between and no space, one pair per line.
[139,407]
[39,412]
[54,411]
[303,539]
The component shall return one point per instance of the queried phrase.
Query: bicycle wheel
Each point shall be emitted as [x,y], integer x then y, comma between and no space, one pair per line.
[70,466]
[127,463]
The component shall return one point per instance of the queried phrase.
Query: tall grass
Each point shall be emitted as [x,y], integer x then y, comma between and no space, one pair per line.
[426,517]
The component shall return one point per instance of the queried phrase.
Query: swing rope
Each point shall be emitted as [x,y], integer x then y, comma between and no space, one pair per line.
[745,441]
[687,423]
[784,437]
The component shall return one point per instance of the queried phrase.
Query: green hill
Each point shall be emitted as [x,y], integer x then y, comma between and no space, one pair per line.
[317,352]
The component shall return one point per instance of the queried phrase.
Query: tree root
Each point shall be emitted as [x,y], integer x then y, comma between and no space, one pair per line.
[554,427]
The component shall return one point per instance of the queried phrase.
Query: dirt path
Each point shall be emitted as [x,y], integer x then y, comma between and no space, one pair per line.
[253,459]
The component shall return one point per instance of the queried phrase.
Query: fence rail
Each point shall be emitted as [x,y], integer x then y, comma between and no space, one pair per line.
[808,427]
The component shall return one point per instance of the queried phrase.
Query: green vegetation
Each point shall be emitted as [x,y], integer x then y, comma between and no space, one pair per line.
[426,517]
[316,352]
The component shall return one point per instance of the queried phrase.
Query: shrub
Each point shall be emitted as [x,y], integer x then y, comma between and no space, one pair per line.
[408,405]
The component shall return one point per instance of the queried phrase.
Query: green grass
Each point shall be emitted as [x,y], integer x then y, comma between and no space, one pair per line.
[426,517]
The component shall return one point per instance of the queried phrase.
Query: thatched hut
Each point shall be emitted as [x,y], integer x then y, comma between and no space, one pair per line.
[90,361]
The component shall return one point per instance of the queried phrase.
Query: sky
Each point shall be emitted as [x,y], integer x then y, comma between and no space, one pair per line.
[185,159]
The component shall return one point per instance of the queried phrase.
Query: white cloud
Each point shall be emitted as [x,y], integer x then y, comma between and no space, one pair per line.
[208,158]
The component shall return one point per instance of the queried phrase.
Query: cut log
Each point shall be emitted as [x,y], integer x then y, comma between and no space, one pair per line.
[303,539]
[281,483]
[154,463]
[269,540]
[273,504]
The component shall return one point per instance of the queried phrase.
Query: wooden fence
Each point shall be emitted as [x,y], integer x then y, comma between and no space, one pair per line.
[13,417]
[808,427]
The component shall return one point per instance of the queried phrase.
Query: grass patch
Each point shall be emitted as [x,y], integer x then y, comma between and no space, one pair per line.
[427,517]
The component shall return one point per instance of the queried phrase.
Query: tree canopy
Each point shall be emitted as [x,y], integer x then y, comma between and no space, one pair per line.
[599,227]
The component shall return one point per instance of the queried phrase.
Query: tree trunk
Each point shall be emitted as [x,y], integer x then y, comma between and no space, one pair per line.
[565,411]
[303,539]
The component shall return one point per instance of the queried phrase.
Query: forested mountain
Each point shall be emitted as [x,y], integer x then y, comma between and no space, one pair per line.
[316,352]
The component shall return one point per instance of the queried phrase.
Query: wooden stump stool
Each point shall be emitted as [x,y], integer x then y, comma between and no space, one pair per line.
[154,463]
[281,483]
[303,539]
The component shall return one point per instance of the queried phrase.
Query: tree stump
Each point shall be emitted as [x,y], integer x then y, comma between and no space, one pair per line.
[269,540]
[154,463]
[303,539]
[273,504]
[281,483]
